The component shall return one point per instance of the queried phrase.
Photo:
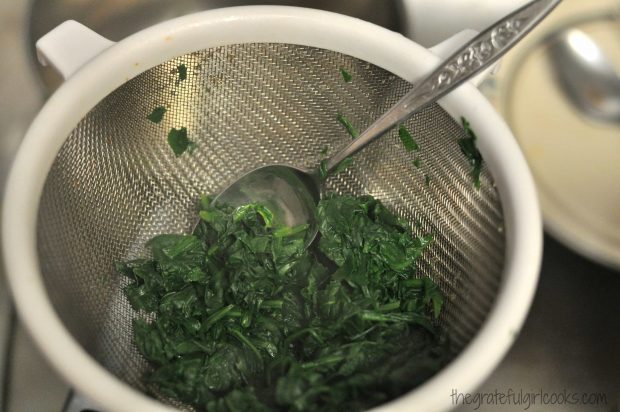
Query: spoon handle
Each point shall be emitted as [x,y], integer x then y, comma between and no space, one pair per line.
[469,60]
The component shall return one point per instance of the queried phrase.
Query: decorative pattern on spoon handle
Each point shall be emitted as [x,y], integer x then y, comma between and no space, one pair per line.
[478,54]
[482,51]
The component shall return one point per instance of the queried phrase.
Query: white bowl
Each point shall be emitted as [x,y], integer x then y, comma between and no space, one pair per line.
[148,48]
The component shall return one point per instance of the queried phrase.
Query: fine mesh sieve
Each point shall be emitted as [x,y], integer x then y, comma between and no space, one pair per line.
[115,182]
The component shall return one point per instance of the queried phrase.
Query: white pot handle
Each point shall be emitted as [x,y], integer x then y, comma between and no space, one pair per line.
[69,46]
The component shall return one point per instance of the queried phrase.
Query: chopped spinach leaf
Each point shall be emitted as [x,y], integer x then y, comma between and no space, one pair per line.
[347,124]
[242,211]
[324,150]
[469,149]
[407,139]
[178,141]
[346,76]
[157,114]
[182,71]
[427,180]
[417,162]
[323,169]
[290,231]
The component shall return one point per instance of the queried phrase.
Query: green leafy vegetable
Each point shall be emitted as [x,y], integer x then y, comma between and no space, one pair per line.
[427,180]
[417,162]
[242,211]
[324,150]
[346,76]
[469,149]
[347,124]
[182,70]
[290,231]
[323,169]
[157,114]
[178,141]
[245,317]
[406,138]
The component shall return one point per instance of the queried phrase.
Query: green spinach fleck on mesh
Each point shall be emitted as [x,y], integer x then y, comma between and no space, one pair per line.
[469,149]
[182,72]
[348,125]
[179,142]
[157,114]
[346,76]
[407,139]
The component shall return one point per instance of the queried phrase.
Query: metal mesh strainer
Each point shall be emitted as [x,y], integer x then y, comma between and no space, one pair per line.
[115,182]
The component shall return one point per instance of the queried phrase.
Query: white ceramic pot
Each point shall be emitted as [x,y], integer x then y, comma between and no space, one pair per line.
[110,65]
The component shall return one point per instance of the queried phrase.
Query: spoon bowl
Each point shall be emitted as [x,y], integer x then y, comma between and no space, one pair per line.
[290,193]
[586,75]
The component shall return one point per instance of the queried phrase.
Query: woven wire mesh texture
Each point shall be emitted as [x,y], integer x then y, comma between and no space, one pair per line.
[116,183]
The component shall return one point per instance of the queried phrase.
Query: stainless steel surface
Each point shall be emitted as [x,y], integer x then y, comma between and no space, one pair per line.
[297,189]
[586,74]
[570,339]
[116,183]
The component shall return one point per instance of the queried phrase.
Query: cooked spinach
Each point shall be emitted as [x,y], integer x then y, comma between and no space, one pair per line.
[178,141]
[469,149]
[417,162]
[407,139]
[323,169]
[346,76]
[157,114]
[247,318]
[182,71]
[347,125]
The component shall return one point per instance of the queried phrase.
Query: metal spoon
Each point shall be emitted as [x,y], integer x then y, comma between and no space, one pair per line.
[292,193]
[586,75]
